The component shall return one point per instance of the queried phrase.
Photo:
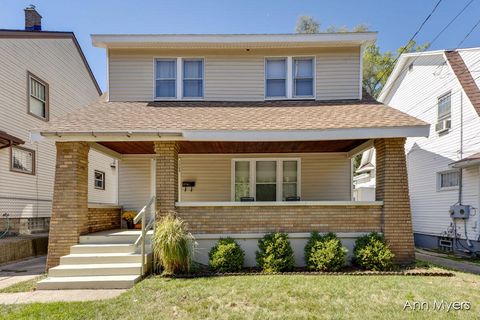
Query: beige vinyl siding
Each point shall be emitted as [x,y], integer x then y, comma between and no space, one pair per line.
[57,62]
[101,162]
[135,184]
[235,75]
[323,176]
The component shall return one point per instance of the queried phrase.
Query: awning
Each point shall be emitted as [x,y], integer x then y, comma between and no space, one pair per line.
[7,140]
[473,160]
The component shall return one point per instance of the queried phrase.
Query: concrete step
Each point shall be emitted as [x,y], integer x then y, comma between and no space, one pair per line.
[105,269]
[114,237]
[90,282]
[100,258]
[103,248]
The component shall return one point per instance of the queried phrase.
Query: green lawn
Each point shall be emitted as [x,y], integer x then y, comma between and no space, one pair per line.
[270,297]
[23,286]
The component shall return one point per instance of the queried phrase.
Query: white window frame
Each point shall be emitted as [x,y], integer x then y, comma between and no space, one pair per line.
[290,93]
[279,180]
[439,180]
[179,79]
[95,180]
[449,116]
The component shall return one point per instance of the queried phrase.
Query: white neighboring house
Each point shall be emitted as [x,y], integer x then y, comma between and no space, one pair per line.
[43,75]
[364,180]
[442,88]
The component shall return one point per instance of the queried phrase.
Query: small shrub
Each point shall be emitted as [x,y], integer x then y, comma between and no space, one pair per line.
[371,252]
[226,256]
[325,253]
[314,237]
[275,253]
[173,245]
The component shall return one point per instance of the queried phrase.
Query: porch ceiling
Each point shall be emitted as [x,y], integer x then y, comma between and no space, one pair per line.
[202,147]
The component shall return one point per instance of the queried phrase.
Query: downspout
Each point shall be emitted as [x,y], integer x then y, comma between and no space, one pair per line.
[460,178]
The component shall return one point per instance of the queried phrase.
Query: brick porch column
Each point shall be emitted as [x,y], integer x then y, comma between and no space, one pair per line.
[392,189]
[166,176]
[70,199]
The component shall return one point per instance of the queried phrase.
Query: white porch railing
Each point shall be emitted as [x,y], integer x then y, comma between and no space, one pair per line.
[147,224]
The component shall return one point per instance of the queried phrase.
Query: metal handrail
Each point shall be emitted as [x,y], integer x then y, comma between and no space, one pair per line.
[145,227]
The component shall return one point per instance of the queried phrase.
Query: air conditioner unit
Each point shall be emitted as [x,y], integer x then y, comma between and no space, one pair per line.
[443,125]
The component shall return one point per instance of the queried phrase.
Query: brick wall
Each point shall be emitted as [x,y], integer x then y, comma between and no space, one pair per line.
[103,218]
[392,189]
[247,219]
[166,176]
[70,199]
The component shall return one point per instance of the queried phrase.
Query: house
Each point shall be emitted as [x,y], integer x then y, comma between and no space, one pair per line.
[43,75]
[442,89]
[239,135]
[364,177]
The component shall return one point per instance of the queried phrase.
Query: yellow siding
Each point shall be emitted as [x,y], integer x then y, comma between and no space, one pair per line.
[134,183]
[323,176]
[233,74]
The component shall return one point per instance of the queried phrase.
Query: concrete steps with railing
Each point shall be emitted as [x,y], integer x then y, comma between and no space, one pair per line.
[103,260]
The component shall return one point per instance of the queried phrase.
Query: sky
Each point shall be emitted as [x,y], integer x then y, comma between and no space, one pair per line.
[396,21]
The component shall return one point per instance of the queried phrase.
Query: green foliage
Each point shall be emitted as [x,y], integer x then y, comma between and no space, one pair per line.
[173,246]
[226,256]
[307,24]
[378,66]
[275,253]
[325,253]
[371,252]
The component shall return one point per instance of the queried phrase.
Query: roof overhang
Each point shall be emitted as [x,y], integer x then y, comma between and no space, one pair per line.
[232,40]
[7,140]
[238,135]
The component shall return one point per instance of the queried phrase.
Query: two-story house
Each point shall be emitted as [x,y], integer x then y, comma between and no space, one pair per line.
[43,75]
[239,135]
[442,88]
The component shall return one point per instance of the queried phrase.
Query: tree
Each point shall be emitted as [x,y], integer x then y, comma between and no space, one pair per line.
[307,24]
[378,66]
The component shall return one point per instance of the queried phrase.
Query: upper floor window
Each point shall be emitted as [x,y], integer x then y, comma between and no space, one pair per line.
[22,160]
[289,78]
[177,78]
[37,97]
[444,106]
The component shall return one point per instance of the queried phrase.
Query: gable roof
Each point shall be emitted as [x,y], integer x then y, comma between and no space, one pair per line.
[453,58]
[465,78]
[235,118]
[27,34]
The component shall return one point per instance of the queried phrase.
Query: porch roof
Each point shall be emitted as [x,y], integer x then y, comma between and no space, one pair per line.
[262,120]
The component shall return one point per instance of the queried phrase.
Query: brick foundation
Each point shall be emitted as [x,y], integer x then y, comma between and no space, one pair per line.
[392,189]
[166,176]
[70,199]
[102,218]
[246,219]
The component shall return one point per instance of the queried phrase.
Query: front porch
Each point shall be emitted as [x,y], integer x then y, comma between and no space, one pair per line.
[305,186]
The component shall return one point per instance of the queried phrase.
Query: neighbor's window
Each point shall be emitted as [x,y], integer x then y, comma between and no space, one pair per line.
[38,97]
[276,78]
[266,179]
[99,180]
[444,107]
[303,77]
[22,160]
[192,78]
[448,180]
[166,78]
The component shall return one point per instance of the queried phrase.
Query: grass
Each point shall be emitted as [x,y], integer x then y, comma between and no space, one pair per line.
[452,256]
[270,297]
[24,286]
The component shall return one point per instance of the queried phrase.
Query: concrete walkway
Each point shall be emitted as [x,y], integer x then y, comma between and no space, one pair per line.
[441,260]
[24,270]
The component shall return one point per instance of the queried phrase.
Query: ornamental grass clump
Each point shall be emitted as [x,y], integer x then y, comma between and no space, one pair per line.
[226,256]
[325,253]
[371,252]
[173,246]
[275,253]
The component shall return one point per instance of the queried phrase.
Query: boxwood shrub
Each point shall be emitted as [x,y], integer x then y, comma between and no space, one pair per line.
[275,253]
[371,252]
[324,253]
[226,256]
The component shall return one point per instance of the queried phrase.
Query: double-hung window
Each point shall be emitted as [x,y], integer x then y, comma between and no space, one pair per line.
[179,78]
[22,160]
[265,179]
[99,180]
[444,107]
[37,97]
[290,78]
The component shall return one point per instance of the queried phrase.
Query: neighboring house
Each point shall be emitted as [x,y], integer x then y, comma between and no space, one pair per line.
[442,88]
[239,135]
[43,75]
[364,178]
